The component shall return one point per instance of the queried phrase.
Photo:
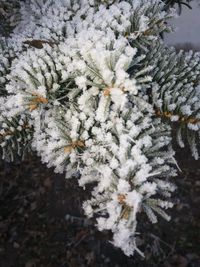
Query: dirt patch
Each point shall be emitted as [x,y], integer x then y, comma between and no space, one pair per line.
[42,223]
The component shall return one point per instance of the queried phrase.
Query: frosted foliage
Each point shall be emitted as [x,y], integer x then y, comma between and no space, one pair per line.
[177,97]
[90,87]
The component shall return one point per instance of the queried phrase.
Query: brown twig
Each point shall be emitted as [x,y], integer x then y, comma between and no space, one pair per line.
[39,43]
[73,145]
[183,119]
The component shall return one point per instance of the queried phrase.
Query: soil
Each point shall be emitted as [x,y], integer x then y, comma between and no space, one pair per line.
[42,223]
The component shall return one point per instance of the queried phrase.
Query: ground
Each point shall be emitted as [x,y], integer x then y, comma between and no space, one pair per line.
[42,223]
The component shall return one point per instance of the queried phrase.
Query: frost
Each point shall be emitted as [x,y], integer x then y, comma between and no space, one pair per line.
[89,86]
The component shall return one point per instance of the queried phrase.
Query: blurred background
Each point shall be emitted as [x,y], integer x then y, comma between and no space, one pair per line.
[187,33]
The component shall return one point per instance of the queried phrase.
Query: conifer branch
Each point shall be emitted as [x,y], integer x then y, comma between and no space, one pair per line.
[94,94]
